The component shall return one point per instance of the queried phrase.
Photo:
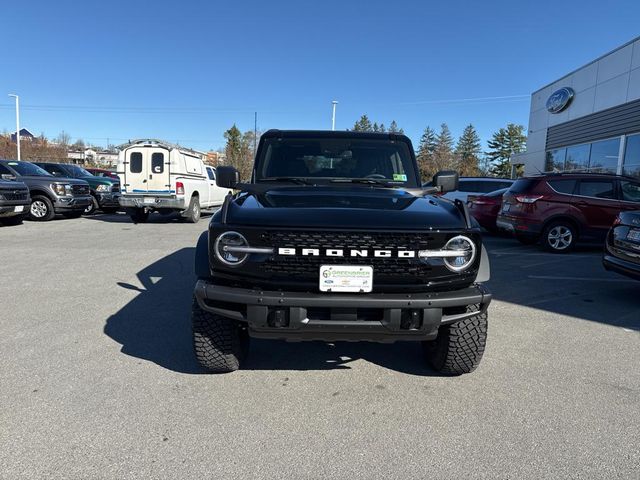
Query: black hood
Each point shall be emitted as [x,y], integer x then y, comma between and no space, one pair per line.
[355,207]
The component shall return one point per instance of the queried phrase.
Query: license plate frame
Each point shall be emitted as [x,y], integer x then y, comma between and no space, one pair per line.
[346,278]
[18,209]
[149,200]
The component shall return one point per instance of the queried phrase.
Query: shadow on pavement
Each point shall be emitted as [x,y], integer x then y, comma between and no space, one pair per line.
[156,326]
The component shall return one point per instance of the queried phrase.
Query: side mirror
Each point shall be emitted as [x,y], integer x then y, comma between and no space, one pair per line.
[446,181]
[227,177]
[8,176]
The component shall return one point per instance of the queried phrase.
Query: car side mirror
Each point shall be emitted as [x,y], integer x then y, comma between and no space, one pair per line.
[227,177]
[446,181]
[8,176]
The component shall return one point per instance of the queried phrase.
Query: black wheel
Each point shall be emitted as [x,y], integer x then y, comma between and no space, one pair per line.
[139,215]
[73,214]
[221,345]
[192,215]
[109,210]
[459,347]
[41,209]
[559,237]
[92,207]
[526,239]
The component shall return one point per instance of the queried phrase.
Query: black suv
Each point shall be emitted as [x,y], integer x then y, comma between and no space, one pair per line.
[49,194]
[335,239]
[14,200]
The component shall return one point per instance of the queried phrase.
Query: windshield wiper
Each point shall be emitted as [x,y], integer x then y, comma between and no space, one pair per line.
[298,180]
[370,181]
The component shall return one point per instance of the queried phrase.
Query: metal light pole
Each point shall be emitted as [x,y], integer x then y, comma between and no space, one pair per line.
[333,115]
[17,121]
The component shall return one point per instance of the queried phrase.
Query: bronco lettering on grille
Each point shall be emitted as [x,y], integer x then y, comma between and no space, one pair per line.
[339,252]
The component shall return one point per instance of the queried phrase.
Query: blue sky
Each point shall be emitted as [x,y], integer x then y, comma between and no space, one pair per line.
[186,71]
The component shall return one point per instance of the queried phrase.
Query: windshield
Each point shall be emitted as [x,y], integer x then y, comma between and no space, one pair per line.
[77,171]
[336,160]
[26,168]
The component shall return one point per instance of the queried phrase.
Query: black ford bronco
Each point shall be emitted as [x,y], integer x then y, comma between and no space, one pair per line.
[335,239]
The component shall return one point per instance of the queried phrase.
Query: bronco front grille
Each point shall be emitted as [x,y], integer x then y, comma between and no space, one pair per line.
[14,194]
[308,266]
[79,190]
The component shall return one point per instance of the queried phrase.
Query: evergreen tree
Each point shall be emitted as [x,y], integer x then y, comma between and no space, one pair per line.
[443,155]
[503,144]
[468,152]
[233,148]
[382,128]
[376,128]
[363,125]
[393,128]
[425,154]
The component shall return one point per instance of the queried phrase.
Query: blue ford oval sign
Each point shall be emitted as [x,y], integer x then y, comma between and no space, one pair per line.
[560,99]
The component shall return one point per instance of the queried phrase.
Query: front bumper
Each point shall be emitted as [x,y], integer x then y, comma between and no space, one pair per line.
[71,204]
[624,267]
[331,317]
[152,201]
[10,208]
[108,200]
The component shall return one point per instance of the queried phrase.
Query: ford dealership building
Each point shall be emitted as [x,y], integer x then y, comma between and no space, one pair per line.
[588,120]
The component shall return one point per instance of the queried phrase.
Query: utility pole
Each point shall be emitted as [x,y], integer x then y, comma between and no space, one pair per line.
[255,132]
[17,122]
[333,115]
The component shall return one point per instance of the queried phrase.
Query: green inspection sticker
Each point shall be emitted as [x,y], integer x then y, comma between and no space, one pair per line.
[399,177]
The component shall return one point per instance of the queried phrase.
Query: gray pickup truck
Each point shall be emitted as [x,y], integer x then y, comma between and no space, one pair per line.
[14,201]
[49,195]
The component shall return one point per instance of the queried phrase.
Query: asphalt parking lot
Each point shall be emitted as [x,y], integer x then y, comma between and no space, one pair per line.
[98,378]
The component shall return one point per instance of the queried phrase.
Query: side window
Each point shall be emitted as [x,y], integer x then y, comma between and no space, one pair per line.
[211,173]
[488,187]
[563,186]
[135,162]
[469,186]
[596,189]
[504,185]
[630,191]
[157,162]
[5,171]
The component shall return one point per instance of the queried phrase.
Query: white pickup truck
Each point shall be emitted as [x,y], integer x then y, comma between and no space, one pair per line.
[158,176]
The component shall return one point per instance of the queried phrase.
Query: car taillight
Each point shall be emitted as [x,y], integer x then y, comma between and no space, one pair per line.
[481,201]
[179,188]
[528,198]
[617,221]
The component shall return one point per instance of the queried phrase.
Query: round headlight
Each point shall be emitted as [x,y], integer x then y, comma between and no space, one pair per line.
[467,250]
[230,239]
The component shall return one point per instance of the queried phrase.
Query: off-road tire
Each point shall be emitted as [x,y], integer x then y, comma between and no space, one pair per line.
[92,207]
[109,210]
[459,346]
[193,213]
[46,207]
[139,215]
[73,214]
[221,345]
[562,227]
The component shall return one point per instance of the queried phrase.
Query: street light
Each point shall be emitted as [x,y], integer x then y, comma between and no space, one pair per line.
[17,122]
[333,116]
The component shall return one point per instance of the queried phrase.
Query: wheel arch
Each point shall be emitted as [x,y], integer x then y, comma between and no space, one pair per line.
[202,256]
[564,217]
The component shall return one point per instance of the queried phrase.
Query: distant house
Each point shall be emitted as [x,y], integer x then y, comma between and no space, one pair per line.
[104,158]
[25,135]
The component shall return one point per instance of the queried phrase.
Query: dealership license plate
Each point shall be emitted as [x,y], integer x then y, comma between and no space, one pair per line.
[149,200]
[346,278]
[19,208]
[634,235]
[506,207]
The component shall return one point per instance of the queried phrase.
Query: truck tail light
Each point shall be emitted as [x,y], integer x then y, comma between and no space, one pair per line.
[179,188]
[617,221]
[528,198]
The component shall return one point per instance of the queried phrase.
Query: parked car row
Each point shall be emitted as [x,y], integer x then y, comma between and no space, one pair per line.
[560,210]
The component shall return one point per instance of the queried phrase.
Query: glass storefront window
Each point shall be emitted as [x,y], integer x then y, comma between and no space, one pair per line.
[555,160]
[604,156]
[631,165]
[578,157]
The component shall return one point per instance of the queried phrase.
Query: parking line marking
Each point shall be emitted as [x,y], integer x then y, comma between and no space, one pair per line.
[584,279]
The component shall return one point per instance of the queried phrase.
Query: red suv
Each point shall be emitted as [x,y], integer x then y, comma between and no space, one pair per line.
[560,209]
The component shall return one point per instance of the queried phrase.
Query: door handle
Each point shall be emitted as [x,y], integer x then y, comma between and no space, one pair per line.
[150,177]
[144,181]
